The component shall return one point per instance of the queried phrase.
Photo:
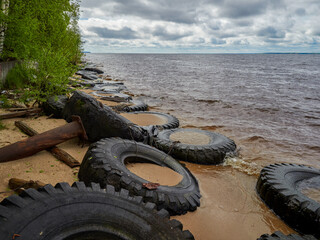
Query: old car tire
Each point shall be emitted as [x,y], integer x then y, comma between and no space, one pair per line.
[80,212]
[212,153]
[104,163]
[277,187]
[280,236]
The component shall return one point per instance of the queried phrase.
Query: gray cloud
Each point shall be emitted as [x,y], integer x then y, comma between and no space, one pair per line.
[241,9]
[184,24]
[172,11]
[124,33]
[163,34]
[316,32]
[271,32]
[247,8]
[217,41]
[244,23]
[300,12]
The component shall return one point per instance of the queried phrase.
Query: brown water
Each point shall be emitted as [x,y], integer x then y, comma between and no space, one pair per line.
[268,104]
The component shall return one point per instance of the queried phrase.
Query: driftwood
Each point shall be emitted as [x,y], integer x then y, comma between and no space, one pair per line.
[55,151]
[16,109]
[17,184]
[20,113]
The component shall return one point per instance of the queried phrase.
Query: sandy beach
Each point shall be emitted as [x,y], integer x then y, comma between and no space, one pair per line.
[229,209]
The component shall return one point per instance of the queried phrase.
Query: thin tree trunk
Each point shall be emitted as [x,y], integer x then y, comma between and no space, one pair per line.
[3,26]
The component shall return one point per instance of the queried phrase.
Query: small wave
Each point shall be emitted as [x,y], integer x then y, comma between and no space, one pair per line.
[315,148]
[268,110]
[256,138]
[309,98]
[311,117]
[208,128]
[209,100]
[227,106]
[251,169]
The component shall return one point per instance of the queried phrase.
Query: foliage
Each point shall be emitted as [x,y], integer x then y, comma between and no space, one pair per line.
[43,35]
[4,102]
[2,126]
[16,78]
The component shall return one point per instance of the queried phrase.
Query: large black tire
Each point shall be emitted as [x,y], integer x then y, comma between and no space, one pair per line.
[277,187]
[104,163]
[172,121]
[84,213]
[212,153]
[280,236]
[99,120]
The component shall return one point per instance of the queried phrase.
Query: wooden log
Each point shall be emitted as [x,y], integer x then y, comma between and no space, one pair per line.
[17,109]
[55,151]
[20,113]
[16,183]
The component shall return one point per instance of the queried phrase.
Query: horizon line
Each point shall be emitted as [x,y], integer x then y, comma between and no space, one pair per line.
[198,53]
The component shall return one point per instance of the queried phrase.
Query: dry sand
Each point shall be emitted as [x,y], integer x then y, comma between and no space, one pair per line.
[41,166]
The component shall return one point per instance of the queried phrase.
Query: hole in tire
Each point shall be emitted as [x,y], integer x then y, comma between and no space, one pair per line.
[311,188]
[145,119]
[190,137]
[152,172]
[93,235]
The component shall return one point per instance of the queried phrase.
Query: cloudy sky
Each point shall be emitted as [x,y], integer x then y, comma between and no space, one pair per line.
[200,26]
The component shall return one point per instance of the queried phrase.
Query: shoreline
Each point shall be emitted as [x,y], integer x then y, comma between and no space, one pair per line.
[229,200]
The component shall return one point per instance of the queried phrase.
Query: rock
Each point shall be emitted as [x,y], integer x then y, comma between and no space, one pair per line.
[109,88]
[99,120]
[92,69]
[54,105]
[87,75]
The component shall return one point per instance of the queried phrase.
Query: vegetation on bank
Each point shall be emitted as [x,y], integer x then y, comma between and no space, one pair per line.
[44,38]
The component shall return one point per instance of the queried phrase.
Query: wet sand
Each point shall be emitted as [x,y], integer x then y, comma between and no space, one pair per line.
[190,138]
[145,119]
[230,207]
[155,174]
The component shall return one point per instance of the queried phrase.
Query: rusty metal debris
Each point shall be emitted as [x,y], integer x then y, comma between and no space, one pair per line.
[151,186]
[55,151]
[43,141]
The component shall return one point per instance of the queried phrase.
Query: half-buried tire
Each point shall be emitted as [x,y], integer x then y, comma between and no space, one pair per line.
[280,236]
[166,121]
[277,187]
[105,161]
[201,146]
[80,212]
[135,105]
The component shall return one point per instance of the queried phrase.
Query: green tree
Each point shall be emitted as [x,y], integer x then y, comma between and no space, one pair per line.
[43,36]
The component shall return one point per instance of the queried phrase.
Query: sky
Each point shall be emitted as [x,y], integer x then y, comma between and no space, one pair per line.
[200,26]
